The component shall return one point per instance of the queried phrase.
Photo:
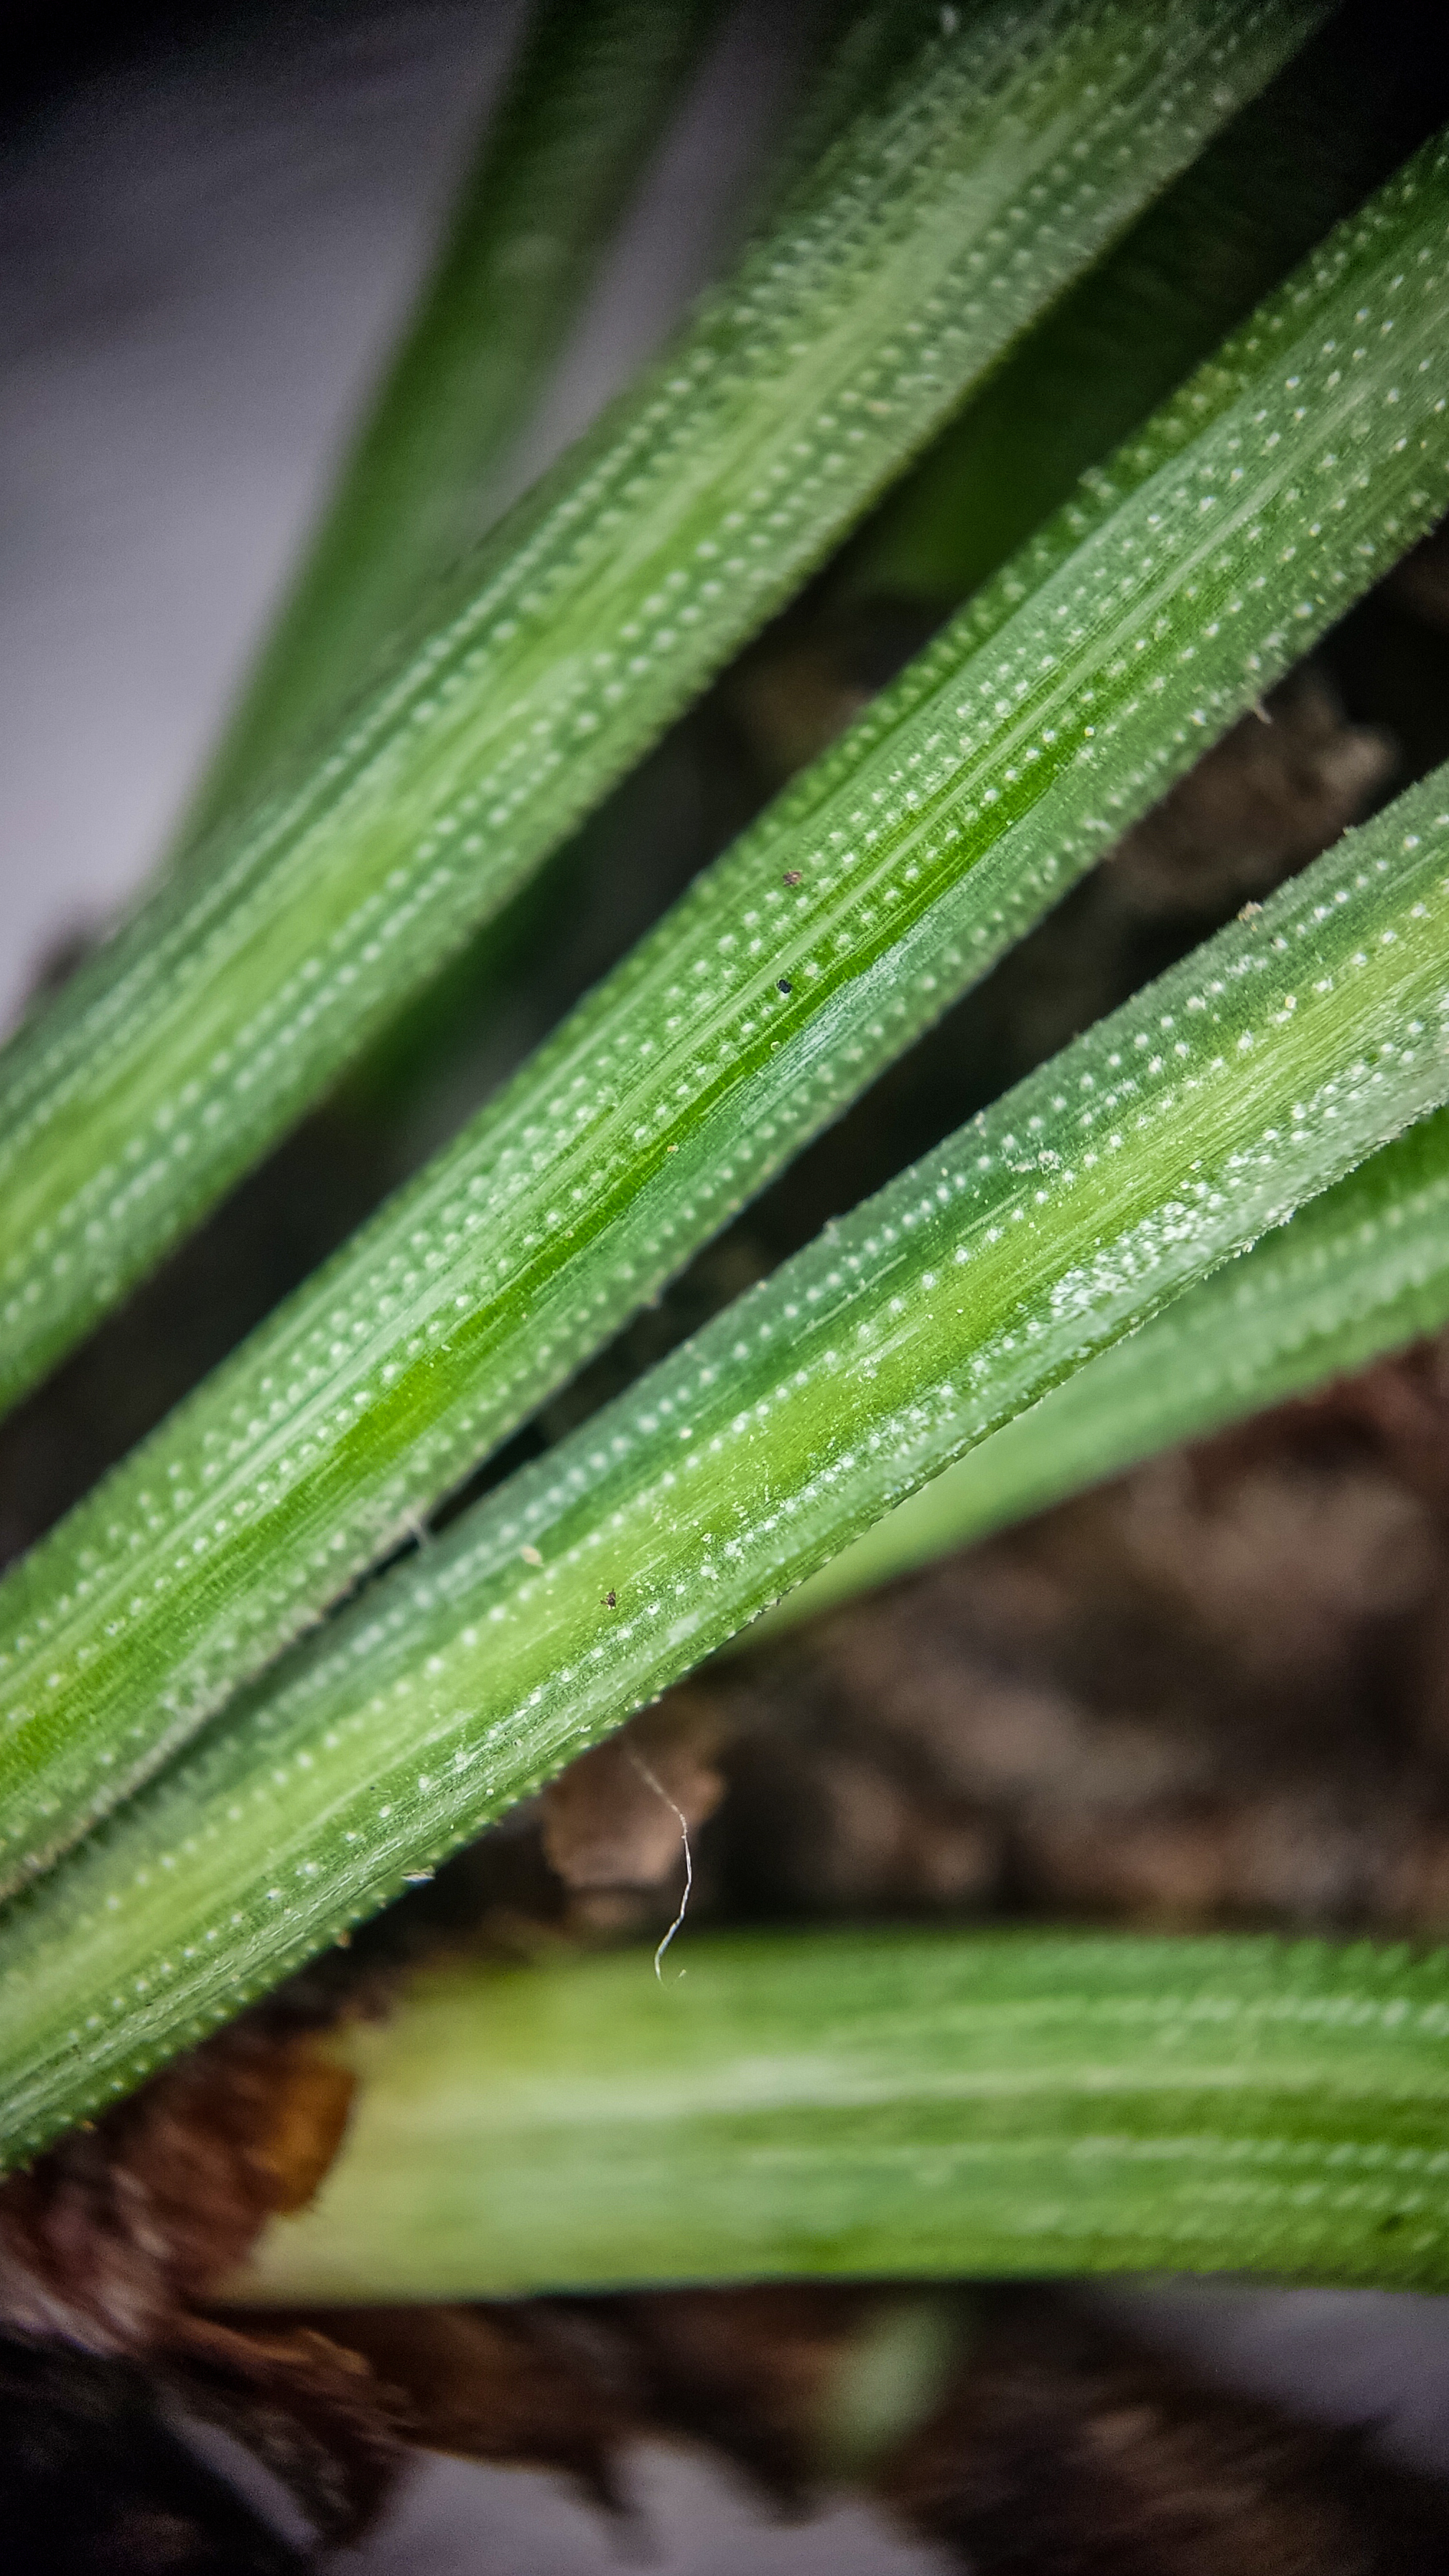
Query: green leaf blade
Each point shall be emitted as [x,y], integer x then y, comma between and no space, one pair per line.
[534,216]
[1353,1275]
[941,229]
[1247,1079]
[955,813]
[889,2104]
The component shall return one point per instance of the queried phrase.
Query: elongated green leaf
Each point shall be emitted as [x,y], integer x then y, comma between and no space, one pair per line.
[534,216]
[867,46]
[1251,1076]
[1307,152]
[1296,161]
[887,2103]
[1354,1274]
[1136,627]
[942,225]
[857,56]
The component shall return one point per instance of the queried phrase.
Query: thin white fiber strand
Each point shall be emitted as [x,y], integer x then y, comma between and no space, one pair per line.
[652,1782]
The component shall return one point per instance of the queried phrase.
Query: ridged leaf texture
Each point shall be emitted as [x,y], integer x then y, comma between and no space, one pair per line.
[1257,1073]
[534,215]
[1077,685]
[941,226]
[1355,1274]
[864,2104]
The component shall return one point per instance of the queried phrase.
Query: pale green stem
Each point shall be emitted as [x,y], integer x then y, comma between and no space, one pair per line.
[940,227]
[1239,523]
[533,219]
[1252,1076]
[859,2103]
[1354,1274]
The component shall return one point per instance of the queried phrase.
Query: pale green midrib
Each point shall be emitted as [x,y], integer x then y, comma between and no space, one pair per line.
[1054,2052]
[1298,1308]
[171,1195]
[558,161]
[308,1809]
[1171,2065]
[168,1695]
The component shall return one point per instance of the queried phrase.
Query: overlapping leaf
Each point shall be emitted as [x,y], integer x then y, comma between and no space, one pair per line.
[940,227]
[1356,1273]
[1254,1075]
[1136,627]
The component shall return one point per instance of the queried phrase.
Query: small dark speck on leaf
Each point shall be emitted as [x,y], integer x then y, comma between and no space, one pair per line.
[784,983]
[792,876]
[611,1600]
